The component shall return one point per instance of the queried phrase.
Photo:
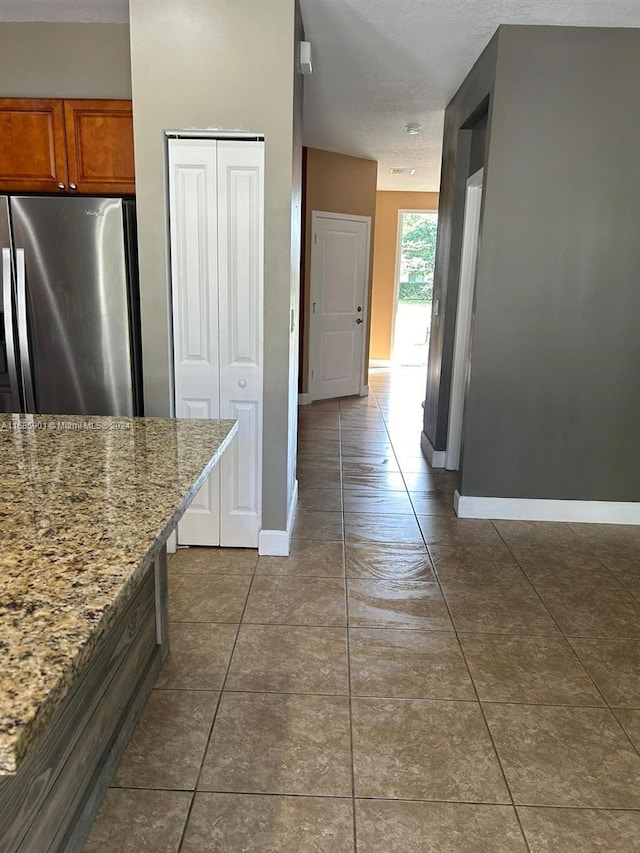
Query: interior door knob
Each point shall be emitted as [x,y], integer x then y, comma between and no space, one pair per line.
[242,383]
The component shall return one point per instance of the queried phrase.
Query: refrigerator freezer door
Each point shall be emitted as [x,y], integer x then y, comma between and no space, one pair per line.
[23,332]
[7,309]
[77,303]
[9,342]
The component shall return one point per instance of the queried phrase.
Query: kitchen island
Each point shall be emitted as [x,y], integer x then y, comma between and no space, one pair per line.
[86,508]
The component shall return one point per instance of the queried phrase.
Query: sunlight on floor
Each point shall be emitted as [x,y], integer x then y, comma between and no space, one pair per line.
[411,339]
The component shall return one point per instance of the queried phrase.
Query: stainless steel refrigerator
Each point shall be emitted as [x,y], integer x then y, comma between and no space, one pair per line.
[69,337]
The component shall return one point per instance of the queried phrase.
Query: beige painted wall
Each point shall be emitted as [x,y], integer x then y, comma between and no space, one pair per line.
[64,61]
[227,64]
[388,206]
[335,183]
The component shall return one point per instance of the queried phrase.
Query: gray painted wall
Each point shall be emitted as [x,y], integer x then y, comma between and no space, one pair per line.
[64,61]
[552,408]
[227,65]
[478,144]
[456,159]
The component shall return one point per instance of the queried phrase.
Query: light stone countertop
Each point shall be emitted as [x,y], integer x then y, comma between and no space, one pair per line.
[85,504]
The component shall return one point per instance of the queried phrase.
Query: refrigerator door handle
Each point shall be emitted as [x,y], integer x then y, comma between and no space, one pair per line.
[23,333]
[7,301]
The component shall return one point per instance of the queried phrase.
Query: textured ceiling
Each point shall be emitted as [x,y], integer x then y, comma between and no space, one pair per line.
[380,64]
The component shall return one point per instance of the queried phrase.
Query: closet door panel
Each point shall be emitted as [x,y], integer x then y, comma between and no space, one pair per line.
[194,273]
[241,293]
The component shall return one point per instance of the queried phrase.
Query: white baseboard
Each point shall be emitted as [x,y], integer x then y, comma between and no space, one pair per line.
[525,509]
[273,543]
[172,543]
[291,512]
[277,543]
[379,362]
[435,458]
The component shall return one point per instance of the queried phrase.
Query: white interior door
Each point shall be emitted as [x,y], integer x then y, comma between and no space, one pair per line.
[338,319]
[193,212]
[216,224]
[470,234]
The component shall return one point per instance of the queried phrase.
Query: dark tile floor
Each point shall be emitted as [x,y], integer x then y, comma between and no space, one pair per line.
[404,681]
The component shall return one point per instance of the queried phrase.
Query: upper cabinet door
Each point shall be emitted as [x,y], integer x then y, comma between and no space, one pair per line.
[100,146]
[32,145]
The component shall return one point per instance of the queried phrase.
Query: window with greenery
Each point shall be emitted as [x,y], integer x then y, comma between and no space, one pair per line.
[418,255]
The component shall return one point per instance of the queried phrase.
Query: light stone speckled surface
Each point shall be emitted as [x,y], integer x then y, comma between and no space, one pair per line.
[86,503]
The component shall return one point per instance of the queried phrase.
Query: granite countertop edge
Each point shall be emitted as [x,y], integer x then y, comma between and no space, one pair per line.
[14,752]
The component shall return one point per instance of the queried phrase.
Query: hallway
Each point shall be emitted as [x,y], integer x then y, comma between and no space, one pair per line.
[405,681]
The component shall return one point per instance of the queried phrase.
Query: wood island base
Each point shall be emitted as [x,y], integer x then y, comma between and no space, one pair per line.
[49,804]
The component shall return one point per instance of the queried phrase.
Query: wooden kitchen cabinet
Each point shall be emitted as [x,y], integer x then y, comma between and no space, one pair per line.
[66,146]
[100,146]
[33,156]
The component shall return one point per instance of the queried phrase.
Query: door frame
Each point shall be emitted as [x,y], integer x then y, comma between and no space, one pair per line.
[464,317]
[321,214]
[396,284]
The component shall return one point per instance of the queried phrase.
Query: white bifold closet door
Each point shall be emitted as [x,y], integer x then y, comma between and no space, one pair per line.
[217,224]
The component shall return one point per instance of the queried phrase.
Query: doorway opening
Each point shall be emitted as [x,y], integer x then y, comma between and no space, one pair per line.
[462,345]
[416,253]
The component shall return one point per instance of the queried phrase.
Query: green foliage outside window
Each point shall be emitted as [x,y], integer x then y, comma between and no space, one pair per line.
[416,291]
[419,234]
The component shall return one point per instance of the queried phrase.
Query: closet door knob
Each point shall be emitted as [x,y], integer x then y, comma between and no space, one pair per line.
[242,383]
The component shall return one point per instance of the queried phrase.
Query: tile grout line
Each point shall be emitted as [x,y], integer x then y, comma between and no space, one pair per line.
[475,690]
[636,747]
[527,805]
[566,639]
[215,716]
[481,709]
[348,648]
[471,679]
[502,702]
[402,474]
[382,628]
[562,633]
[395,455]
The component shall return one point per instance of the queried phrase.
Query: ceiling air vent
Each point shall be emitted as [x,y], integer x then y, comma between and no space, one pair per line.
[402,171]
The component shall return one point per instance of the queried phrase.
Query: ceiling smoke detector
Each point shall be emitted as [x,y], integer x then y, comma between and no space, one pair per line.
[414,128]
[404,171]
